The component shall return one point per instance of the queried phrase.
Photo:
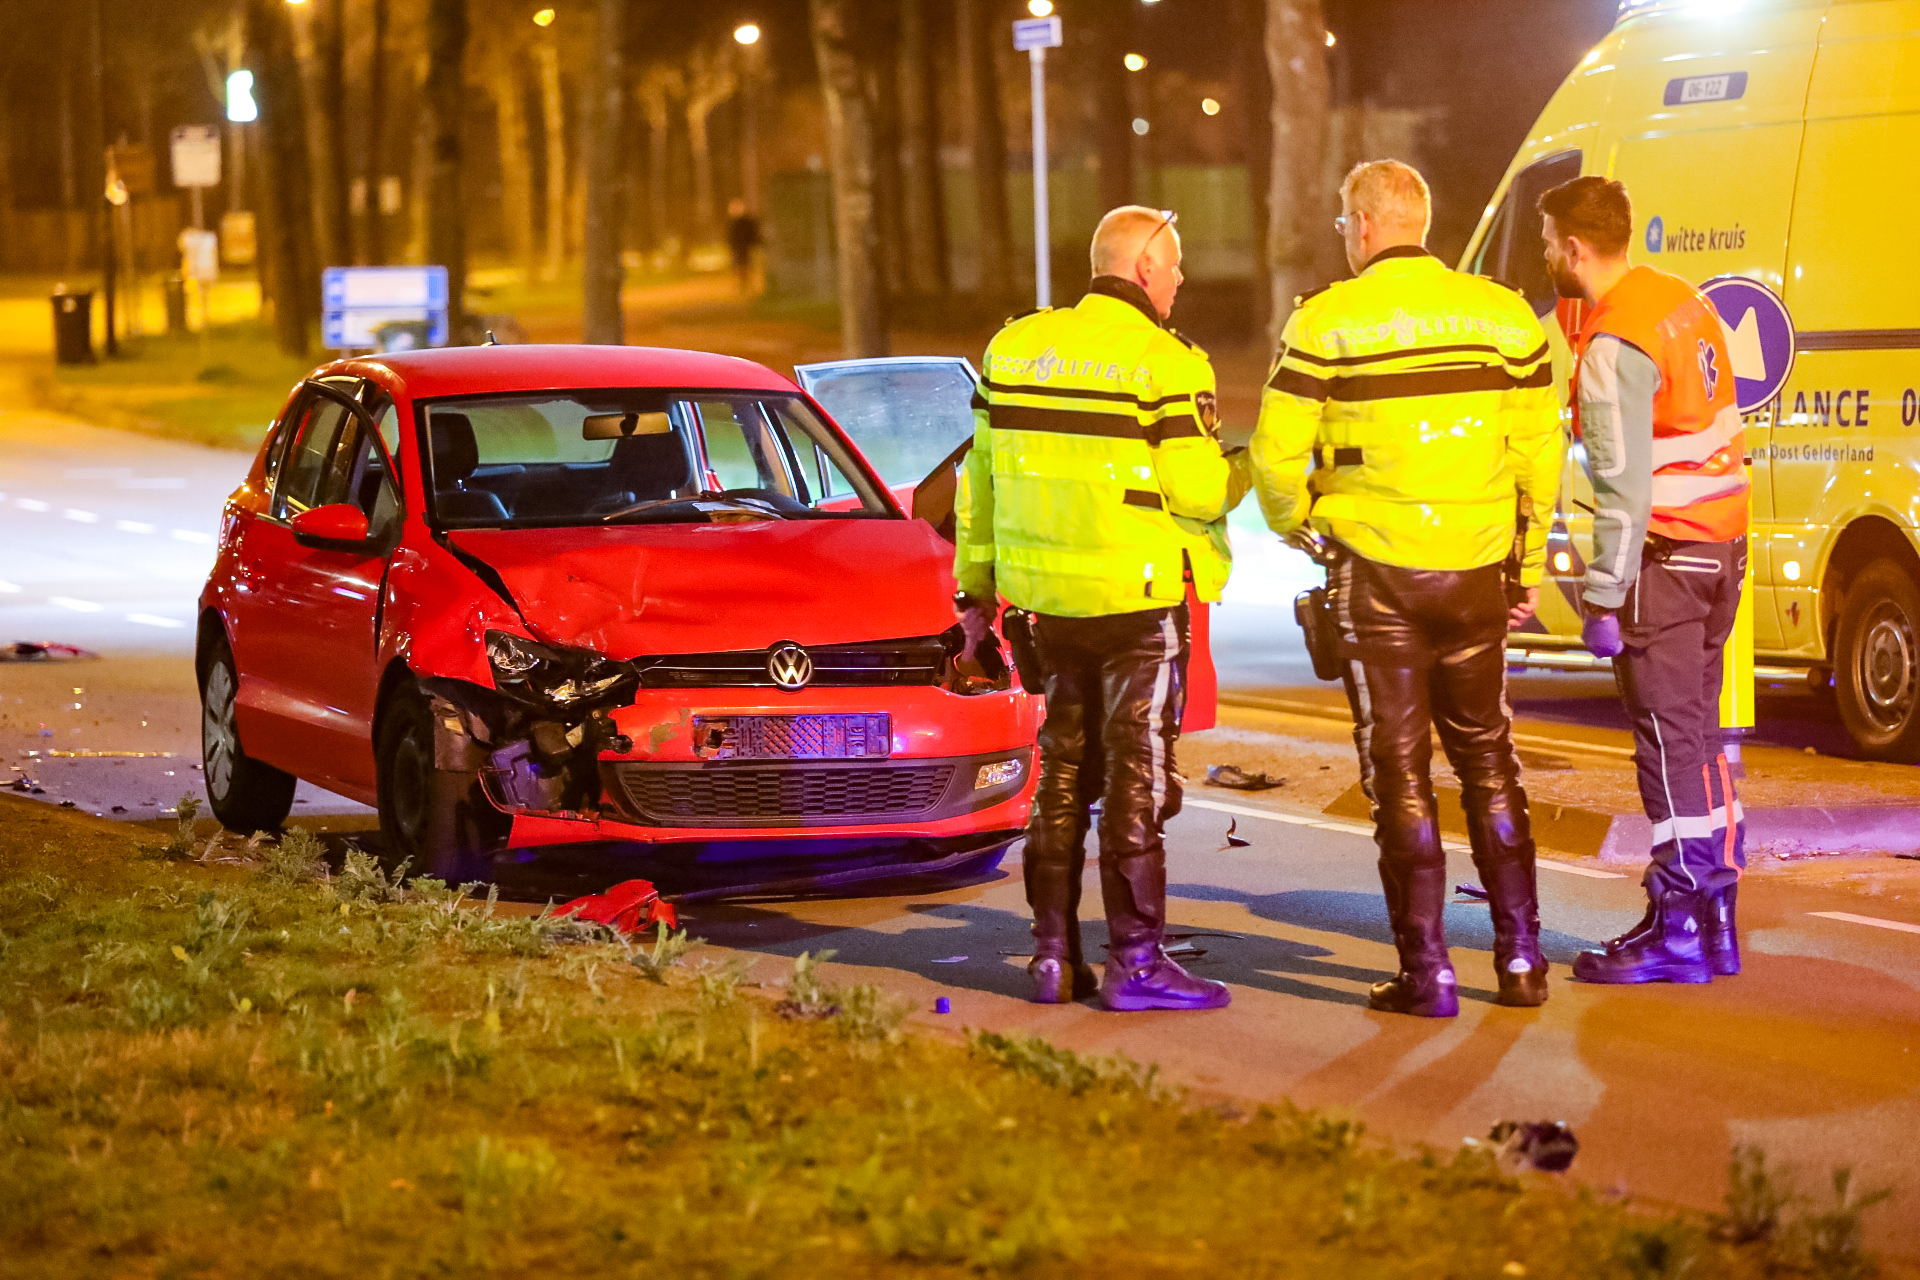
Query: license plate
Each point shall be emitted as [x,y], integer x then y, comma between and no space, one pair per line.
[859,736]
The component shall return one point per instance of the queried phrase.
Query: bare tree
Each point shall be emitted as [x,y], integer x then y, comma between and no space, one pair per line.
[925,213]
[863,326]
[602,272]
[1253,103]
[711,80]
[659,86]
[553,118]
[287,268]
[979,26]
[446,99]
[1297,66]
[880,57]
[374,162]
[319,34]
[516,162]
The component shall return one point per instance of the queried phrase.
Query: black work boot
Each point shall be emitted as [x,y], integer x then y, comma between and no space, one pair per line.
[1720,939]
[1138,974]
[1664,947]
[1425,985]
[1513,898]
[1053,862]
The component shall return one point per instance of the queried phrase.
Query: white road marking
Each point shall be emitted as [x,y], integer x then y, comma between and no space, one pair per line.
[154,620]
[156,482]
[1874,921]
[78,606]
[84,517]
[132,526]
[1301,820]
[97,473]
[8,588]
[31,504]
[192,535]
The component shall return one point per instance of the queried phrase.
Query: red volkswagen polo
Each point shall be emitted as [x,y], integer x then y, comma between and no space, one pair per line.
[519,597]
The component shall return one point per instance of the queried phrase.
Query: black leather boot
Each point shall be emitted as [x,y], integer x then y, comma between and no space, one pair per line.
[1664,947]
[1513,898]
[1425,985]
[1052,866]
[1721,938]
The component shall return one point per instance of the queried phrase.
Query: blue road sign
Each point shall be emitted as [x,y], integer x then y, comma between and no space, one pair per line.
[1036,33]
[1760,337]
[383,308]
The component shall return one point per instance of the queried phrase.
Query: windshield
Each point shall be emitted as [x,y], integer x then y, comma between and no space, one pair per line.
[638,455]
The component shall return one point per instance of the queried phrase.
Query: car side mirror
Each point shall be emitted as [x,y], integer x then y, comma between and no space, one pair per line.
[933,497]
[338,526]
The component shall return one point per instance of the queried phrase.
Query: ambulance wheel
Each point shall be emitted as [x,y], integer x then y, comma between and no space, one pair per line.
[437,821]
[1877,663]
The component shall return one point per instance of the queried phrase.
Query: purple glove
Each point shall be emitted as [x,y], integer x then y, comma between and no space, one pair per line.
[1601,634]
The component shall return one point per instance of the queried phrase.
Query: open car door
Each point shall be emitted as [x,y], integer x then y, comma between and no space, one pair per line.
[912,417]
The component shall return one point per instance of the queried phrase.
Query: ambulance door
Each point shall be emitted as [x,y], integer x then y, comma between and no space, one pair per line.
[1706,123]
[1849,438]
[1511,251]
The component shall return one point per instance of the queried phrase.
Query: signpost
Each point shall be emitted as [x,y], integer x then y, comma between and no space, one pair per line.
[383,308]
[1036,36]
[196,163]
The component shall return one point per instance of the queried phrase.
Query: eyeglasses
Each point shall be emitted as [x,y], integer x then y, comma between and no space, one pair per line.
[1167,219]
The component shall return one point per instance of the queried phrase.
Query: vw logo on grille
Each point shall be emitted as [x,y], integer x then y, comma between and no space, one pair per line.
[789,666]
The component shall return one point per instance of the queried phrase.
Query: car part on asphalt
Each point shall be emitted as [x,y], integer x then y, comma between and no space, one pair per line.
[44,651]
[1234,777]
[627,908]
[1234,841]
[1546,1145]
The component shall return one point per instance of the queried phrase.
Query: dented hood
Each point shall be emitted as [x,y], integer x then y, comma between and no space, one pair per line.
[631,590]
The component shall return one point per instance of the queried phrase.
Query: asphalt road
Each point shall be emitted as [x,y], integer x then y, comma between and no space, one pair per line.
[1810,1054]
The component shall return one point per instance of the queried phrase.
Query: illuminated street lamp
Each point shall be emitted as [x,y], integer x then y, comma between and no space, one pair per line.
[746,33]
[1134,62]
[241,108]
[1040,8]
[544,18]
[1210,106]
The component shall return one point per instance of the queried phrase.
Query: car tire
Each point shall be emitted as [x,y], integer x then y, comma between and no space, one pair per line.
[246,795]
[1877,663]
[437,821]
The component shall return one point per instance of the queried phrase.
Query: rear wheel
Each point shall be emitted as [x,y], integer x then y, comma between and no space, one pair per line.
[246,795]
[438,820]
[1877,663]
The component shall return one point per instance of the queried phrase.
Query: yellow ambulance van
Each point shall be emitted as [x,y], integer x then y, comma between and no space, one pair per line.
[1775,142]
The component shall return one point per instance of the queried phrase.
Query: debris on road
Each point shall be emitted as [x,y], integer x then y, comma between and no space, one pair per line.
[1238,779]
[112,755]
[952,960]
[44,651]
[629,907]
[943,1005]
[1471,891]
[1546,1145]
[1234,841]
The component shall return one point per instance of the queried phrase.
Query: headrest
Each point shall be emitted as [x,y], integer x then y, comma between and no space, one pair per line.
[652,466]
[455,453]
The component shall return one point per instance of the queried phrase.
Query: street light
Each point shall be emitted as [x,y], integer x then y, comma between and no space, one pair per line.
[1040,8]
[1134,62]
[746,33]
[241,108]
[544,18]
[1210,106]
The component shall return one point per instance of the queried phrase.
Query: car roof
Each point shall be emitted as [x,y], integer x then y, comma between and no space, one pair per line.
[453,371]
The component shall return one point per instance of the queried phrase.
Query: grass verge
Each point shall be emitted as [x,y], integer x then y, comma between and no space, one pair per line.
[274,1066]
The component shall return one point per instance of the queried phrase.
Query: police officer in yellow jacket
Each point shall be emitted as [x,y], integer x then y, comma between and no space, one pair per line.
[1410,414]
[1097,487]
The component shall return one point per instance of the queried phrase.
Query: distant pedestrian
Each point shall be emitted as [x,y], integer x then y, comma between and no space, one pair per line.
[1096,491]
[1665,448]
[1411,413]
[743,238]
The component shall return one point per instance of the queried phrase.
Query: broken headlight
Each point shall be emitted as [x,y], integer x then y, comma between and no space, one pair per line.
[554,676]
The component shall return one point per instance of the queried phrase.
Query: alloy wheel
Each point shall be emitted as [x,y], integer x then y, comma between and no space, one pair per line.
[219,736]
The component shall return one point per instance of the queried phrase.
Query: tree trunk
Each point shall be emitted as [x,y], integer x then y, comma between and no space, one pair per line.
[926,221]
[322,48]
[286,206]
[981,25]
[1113,40]
[553,117]
[446,104]
[863,326]
[516,165]
[657,88]
[710,83]
[881,60]
[602,272]
[373,168]
[751,74]
[1297,65]
[1252,106]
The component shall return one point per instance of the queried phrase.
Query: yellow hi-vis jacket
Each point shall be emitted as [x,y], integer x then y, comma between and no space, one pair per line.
[1097,477]
[1423,401]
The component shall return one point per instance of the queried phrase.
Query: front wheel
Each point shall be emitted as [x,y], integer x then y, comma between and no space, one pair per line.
[246,795]
[437,820]
[1877,663]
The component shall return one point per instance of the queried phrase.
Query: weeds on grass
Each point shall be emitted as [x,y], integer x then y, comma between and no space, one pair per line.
[297,857]
[1061,1068]
[669,949]
[861,1012]
[180,846]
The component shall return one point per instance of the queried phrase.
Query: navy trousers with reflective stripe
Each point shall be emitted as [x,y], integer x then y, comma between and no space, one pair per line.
[1675,622]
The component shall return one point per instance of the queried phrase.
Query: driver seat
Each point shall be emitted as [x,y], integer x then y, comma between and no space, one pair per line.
[456,455]
[648,468]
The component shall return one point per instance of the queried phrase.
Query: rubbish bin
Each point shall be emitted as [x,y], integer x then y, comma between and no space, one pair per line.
[73,327]
[176,304]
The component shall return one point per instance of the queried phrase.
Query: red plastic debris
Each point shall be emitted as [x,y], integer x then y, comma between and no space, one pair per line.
[629,907]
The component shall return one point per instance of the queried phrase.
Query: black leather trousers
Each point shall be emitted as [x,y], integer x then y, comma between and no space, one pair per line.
[1115,687]
[1425,650]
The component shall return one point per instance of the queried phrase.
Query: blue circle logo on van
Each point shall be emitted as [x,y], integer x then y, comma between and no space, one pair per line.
[1656,235]
[1760,338]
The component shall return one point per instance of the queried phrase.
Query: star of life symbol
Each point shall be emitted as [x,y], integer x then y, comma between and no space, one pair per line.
[1709,367]
[789,666]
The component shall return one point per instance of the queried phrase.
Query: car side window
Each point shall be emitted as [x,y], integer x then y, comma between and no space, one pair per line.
[356,472]
[306,458]
[1513,252]
[742,450]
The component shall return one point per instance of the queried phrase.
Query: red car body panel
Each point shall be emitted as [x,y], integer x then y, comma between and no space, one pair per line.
[318,636]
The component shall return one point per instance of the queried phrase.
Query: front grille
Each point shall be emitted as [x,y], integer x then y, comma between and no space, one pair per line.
[881,663]
[702,796]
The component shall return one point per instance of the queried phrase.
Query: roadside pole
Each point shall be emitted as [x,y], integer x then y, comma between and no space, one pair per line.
[1036,36]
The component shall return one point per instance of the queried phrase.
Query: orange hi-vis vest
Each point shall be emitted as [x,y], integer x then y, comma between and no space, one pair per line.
[1699,442]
